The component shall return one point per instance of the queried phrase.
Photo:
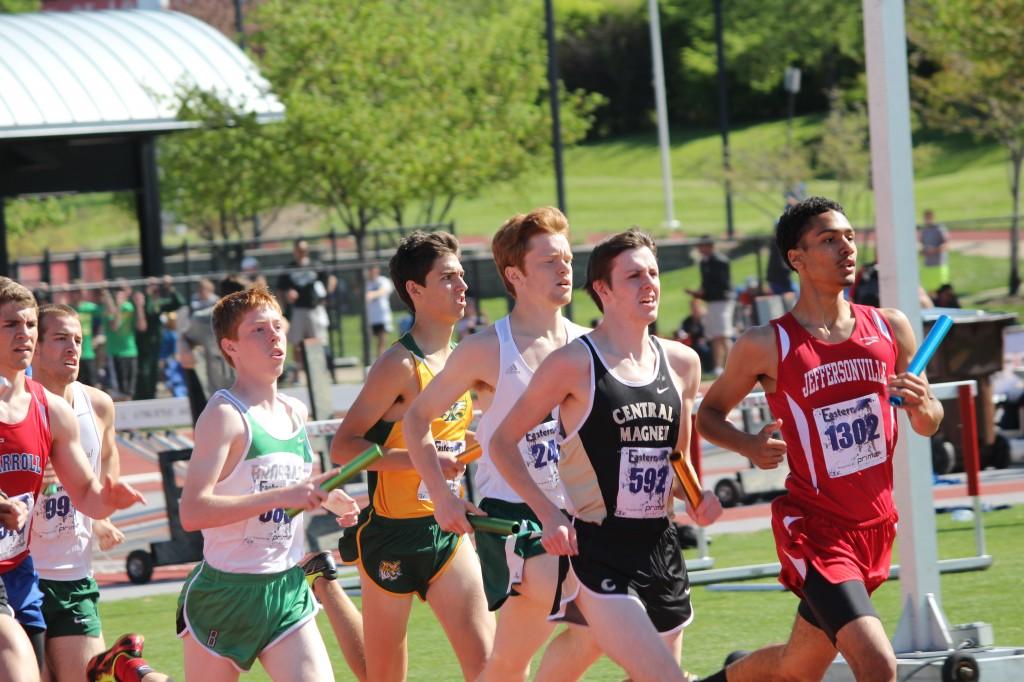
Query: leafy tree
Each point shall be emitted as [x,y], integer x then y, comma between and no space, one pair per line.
[217,178]
[12,6]
[974,51]
[28,214]
[394,110]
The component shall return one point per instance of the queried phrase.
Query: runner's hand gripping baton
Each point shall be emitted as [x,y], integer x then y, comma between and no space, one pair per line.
[490,524]
[688,477]
[365,459]
[926,351]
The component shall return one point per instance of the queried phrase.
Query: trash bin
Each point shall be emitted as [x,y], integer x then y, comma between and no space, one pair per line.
[973,349]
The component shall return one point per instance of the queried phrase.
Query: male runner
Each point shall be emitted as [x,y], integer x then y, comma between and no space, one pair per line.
[534,260]
[623,401]
[36,426]
[61,535]
[401,549]
[252,460]
[828,368]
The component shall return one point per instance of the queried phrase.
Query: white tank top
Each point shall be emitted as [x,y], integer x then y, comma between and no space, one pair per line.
[539,446]
[61,535]
[269,542]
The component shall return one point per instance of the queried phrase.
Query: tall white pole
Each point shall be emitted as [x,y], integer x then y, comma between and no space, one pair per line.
[662,108]
[922,626]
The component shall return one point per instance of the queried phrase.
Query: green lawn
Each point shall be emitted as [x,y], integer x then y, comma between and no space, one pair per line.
[725,621]
[613,184]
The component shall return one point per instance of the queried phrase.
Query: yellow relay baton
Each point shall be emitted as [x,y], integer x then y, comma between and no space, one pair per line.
[688,477]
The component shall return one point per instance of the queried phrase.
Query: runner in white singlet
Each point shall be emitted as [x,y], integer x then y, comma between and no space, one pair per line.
[534,260]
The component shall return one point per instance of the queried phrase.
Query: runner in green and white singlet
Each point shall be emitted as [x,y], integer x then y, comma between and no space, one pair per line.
[248,598]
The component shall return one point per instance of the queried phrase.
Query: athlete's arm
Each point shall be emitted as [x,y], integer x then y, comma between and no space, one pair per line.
[220,432]
[93,499]
[467,368]
[391,381]
[563,375]
[750,360]
[924,410]
[106,533]
[685,365]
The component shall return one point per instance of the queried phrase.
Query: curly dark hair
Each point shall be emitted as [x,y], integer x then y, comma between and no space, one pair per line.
[795,221]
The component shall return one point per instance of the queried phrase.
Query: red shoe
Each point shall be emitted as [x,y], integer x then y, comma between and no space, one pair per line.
[101,666]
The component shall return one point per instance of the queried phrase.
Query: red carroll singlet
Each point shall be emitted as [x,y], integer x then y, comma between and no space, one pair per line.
[24,450]
[839,428]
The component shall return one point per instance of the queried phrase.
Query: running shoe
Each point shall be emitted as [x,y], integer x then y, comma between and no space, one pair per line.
[101,666]
[320,565]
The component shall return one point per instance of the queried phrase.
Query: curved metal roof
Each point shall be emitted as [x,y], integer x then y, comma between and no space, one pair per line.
[115,71]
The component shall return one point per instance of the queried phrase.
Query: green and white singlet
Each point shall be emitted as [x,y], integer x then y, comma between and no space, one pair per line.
[270,542]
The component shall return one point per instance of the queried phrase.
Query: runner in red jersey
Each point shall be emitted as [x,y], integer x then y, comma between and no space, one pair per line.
[35,426]
[828,369]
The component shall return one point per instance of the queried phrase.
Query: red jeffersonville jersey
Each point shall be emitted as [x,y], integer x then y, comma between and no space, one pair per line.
[24,450]
[839,428]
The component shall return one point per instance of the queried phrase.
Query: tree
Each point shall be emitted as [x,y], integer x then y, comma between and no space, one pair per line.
[219,177]
[974,49]
[394,110]
[12,6]
[28,214]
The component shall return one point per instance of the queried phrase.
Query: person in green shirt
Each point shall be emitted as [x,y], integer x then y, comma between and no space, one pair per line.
[91,316]
[124,315]
[160,297]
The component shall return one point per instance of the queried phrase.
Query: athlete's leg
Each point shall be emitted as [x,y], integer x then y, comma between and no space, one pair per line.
[201,665]
[17,660]
[622,629]
[569,655]
[806,656]
[385,620]
[523,628]
[346,621]
[867,649]
[457,598]
[67,657]
[298,657]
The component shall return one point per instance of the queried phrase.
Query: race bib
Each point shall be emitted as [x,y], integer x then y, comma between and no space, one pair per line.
[55,517]
[852,435]
[14,542]
[644,483]
[540,452]
[454,447]
[273,527]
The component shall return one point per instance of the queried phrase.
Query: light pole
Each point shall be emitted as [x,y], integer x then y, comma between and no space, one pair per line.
[556,123]
[723,114]
[662,109]
[791,84]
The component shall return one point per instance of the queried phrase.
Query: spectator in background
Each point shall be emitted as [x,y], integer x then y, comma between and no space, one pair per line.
[124,315]
[91,317]
[945,297]
[935,247]
[199,337]
[691,332]
[473,320]
[251,272]
[159,298]
[716,290]
[204,297]
[378,306]
[304,290]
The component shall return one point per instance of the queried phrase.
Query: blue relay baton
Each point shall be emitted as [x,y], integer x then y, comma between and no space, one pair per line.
[926,351]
